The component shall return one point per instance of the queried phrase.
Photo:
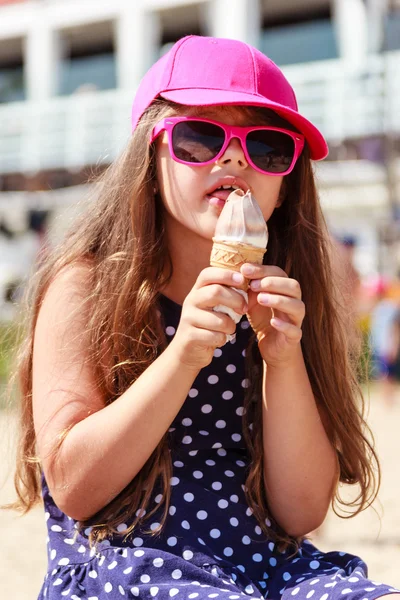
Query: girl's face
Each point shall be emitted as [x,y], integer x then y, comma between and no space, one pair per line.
[184,189]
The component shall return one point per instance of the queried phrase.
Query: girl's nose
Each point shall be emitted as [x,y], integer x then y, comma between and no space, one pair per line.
[234,155]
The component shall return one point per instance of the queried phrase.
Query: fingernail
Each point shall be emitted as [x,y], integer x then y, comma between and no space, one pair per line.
[238,278]
[255,284]
[264,298]
[248,269]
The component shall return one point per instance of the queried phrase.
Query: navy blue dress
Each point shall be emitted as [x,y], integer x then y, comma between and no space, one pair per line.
[212,546]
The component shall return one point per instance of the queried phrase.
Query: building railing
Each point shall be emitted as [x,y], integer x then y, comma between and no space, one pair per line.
[92,128]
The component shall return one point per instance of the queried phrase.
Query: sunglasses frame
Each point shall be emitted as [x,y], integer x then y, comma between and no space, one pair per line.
[231,132]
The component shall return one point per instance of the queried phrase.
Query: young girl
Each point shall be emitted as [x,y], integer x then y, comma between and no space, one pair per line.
[172,462]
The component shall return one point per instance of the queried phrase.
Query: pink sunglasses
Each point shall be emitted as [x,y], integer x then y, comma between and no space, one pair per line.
[270,150]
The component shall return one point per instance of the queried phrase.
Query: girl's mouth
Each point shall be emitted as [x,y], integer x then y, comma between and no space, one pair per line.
[220,195]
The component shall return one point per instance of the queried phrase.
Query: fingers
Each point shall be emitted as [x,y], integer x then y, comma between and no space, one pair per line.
[214,294]
[220,276]
[277,285]
[292,307]
[212,321]
[292,333]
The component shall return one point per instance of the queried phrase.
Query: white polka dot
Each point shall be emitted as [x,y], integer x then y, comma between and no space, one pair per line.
[187,555]
[210,463]
[158,562]
[245,383]
[93,574]
[314,564]
[56,528]
[197,474]
[201,541]
[295,591]
[206,408]
[231,368]
[223,503]
[220,424]
[258,530]
[173,592]
[194,595]
[188,497]
[213,379]
[353,579]
[186,439]
[324,597]
[234,498]
[176,574]
[178,463]
[158,498]
[138,553]
[216,485]
[215,533]
[221,451]
[228,395]
[120,589]
[154,591]
[202,514]
[53,554]
[193,452]
[236,437]
[249,589]
[272,561]
[112,565]
[228,551]
[154,526]
[145,578]
[185,525]
[175,480]
[108,587]
[234,522]
[246,540]
[138,541]
[170,330]
[348,591]
[172,541]
[257,557]
[204,432]
[229,473]
[135,591]
[314,581]
[310,594]
[217,352]
[187,422]
[193,393]
[240,411]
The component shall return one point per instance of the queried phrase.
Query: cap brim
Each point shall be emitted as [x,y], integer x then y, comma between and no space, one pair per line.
[202,97]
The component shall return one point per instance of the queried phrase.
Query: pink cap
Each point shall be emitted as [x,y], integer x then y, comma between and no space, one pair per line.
[206,71]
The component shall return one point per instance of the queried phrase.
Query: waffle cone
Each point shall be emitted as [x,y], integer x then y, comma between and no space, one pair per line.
[233,256]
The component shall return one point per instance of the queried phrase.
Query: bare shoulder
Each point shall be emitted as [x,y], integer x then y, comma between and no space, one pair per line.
[64,387]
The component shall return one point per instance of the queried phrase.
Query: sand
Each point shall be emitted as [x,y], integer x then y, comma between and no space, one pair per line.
[375,537]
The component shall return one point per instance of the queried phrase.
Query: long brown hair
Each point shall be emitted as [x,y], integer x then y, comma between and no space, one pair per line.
[121,235]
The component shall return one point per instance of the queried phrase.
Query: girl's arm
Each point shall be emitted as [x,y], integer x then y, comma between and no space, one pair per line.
[301,468]
[89,451]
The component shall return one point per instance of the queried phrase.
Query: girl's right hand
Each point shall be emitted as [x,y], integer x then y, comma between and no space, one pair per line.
[201,330]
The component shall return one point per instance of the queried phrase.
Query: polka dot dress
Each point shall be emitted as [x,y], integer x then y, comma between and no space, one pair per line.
[212,546]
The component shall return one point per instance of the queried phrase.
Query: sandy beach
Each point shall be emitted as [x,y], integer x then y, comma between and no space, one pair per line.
[374,534]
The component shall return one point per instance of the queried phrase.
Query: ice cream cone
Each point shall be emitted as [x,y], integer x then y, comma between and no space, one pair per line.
[229,255]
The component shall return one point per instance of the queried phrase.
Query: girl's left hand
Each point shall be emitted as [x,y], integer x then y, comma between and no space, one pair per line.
[275,312]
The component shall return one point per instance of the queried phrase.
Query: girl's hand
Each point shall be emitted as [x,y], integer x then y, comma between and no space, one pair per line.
[201,330]
[276,312]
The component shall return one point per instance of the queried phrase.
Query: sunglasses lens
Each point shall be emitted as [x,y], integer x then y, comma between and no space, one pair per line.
[271,151]
[197,142]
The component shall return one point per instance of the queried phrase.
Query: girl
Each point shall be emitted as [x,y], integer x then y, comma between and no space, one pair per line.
[173,463]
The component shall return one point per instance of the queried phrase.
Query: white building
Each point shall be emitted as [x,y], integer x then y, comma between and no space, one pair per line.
[69,69]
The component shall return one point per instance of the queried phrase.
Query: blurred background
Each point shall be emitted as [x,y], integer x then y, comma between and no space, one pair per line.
[68,73]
